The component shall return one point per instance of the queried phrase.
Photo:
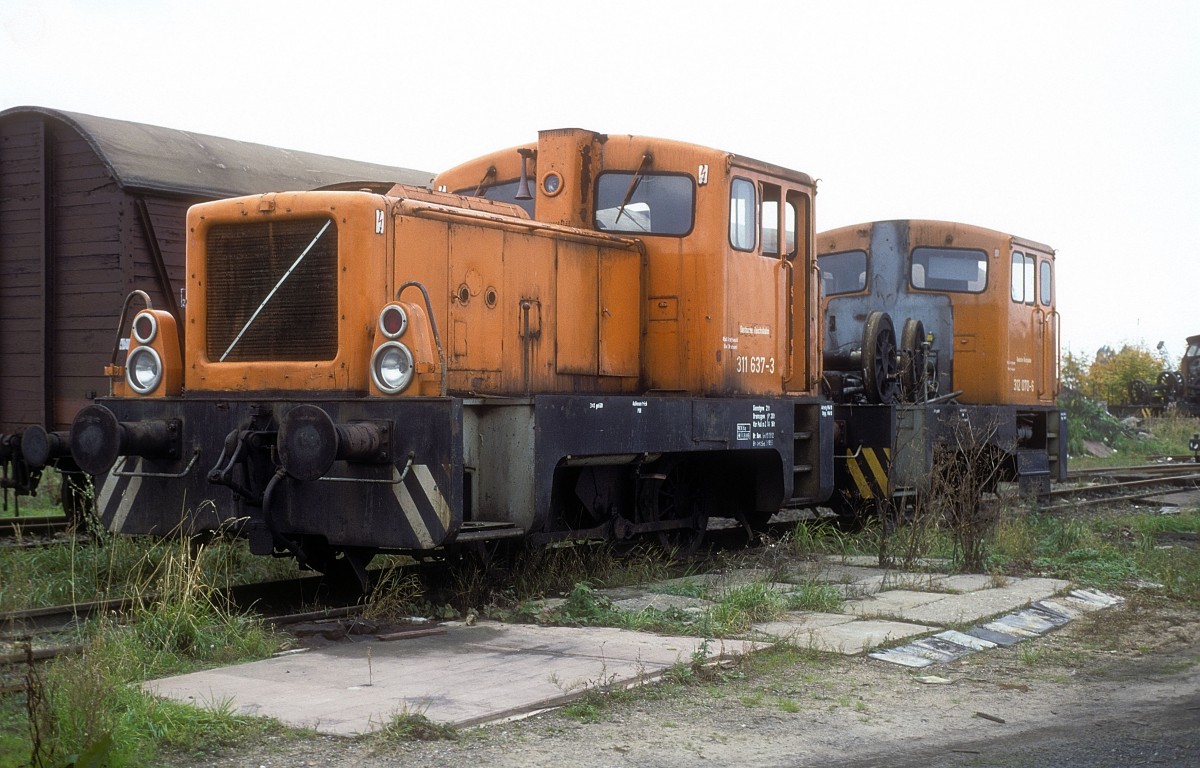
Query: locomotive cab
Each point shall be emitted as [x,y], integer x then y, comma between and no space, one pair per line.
[725,313]
[984,301]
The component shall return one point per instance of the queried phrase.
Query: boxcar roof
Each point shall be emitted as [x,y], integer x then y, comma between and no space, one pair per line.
[153,158]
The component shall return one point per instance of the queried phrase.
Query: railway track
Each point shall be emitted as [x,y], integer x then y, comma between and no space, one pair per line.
[45,633]
[40,634]
[18,529]
[1103,485]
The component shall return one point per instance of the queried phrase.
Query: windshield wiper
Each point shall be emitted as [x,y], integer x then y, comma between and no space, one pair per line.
[286,275]
[633,185]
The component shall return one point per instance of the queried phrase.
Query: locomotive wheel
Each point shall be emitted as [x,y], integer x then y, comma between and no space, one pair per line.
[913,373]
[880,376]
[1139,392]
[1170,383]
[675,494]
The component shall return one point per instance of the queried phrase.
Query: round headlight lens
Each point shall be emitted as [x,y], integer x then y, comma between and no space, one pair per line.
[392,367]
[143,370]
[393,321]
[145,327]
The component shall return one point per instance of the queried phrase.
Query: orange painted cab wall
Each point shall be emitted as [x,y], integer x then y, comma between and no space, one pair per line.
[717,320]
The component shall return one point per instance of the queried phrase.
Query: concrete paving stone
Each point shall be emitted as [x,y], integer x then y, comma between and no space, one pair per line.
[967,582]
[898,602]
[868,561]
[739,578]
[854,637]
[779,587]
[932,563]
[912,580]
[798,623]
[838,573]
[649,600]
[712,582]
[469,675]
[871,580]
[622,593]
[985,603]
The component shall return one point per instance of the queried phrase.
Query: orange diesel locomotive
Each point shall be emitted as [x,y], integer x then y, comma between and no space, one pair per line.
[930,326]
[587,336]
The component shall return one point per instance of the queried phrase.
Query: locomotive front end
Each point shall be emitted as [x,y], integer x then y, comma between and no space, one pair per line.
[300,354]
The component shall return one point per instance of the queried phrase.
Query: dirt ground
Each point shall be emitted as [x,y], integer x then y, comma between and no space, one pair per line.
[1135,667]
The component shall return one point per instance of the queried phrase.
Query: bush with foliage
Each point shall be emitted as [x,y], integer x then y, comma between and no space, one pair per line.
[1107,376]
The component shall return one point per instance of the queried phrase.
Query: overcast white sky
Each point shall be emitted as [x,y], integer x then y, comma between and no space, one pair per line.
[1076,124]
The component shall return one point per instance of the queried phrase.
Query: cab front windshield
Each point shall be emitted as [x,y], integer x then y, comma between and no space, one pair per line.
[645,203]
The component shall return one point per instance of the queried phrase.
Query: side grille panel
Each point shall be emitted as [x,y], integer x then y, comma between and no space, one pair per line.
[296,318]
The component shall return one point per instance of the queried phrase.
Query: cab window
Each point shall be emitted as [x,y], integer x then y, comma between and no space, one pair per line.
[770,222]
[742,206]
[1022,278]
[844,272]
[1047,283]
[956,270]
[645,203]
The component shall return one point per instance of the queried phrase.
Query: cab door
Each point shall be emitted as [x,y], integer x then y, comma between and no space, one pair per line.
[1026,363]
[1047,331]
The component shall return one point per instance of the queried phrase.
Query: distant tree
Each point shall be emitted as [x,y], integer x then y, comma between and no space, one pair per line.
[1074,370]
[1109,375]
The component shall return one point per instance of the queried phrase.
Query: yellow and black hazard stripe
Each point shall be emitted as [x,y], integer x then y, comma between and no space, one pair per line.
[869,469]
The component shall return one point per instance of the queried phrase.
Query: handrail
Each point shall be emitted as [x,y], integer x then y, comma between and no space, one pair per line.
[437,339]
[118,469]
[121,323]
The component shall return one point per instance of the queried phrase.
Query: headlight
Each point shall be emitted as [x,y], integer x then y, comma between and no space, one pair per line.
[393,321]
[143,370]
[145,327]
[392,367]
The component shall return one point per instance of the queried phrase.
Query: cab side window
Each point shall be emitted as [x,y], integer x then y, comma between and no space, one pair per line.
[957,270]
[770,222]
[844,272]
[1047,283]
[1023,271]
[742,208]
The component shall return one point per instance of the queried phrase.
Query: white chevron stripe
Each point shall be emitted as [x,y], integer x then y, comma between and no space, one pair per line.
[441,507]
[409,507]
[127,498]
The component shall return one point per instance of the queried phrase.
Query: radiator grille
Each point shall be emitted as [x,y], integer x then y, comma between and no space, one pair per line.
[255,312]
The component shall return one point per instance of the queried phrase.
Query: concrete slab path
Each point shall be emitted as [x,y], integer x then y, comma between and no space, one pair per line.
[492,671]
